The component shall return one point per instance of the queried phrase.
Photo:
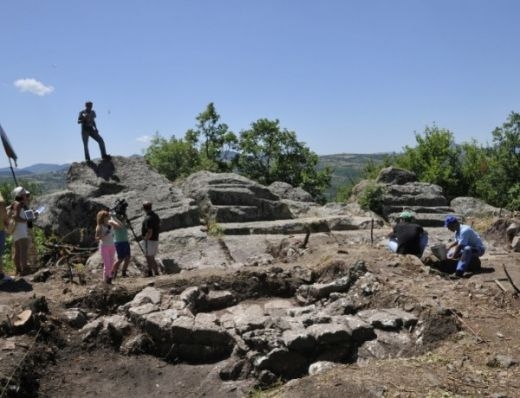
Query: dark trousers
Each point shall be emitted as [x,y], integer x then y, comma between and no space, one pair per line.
[96,137]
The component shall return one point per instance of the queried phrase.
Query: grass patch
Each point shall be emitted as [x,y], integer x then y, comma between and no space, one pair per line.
[214,228]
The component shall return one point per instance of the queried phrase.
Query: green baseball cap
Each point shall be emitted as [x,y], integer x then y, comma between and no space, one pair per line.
[406,215]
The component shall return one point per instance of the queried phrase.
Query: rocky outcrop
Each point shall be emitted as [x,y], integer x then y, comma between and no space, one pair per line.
[473,207]
[287,191]
[402,191]
[91,187]
[229,202]
[228,197]
[395,176]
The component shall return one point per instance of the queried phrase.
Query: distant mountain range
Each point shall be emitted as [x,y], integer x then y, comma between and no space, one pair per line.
[39,168]
[346,169]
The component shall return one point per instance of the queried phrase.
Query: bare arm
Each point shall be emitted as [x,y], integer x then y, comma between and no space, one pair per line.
[3,213]
[115,222]
[99,232]
[17,210]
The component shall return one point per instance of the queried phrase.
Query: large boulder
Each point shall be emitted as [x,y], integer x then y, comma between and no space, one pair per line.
[400,190]
[473,207]
[395,176]
[70,214]
[287,191]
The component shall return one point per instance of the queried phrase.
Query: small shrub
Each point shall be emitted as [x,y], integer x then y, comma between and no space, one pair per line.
[214,228]
[9,267]
[372,198]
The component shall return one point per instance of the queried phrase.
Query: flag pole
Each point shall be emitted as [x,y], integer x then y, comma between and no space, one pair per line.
[12,172]
[9,151]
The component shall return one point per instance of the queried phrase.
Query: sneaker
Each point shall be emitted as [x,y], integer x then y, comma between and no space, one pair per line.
[108,281]
[149,274]
[124,274]
[106,157]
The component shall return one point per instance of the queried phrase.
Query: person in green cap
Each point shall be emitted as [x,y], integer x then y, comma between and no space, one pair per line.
[408,237]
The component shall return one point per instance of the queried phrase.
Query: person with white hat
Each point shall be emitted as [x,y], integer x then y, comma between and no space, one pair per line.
[20,233]
[4,219]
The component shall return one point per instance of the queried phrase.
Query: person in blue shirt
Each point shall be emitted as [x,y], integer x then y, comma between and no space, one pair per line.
[467,247]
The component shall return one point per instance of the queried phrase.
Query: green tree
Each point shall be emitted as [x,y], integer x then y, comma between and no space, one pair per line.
[474,166]
[436,159]
[217,140]
[7,187]
[500,183]
[174,157]
[269,153]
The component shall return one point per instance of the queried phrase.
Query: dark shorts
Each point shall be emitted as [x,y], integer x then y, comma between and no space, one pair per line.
[122,249]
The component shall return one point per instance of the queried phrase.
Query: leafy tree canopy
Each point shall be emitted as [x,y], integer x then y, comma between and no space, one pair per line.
[174,157]
[264,153]
[491,173]
[217,140]
[269,153]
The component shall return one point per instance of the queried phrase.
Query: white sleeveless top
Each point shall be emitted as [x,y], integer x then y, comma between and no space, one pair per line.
[21,230]
[107,238]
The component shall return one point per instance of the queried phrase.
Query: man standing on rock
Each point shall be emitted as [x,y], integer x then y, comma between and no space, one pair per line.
[87,118]
[467,247]
[150,233]
[407,236]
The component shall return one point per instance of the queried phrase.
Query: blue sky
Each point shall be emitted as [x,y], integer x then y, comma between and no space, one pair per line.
[346,76]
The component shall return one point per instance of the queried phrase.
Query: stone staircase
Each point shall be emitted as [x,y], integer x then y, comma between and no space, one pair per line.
[402,192]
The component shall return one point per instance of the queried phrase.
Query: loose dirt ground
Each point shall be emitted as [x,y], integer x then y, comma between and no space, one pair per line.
[58,364]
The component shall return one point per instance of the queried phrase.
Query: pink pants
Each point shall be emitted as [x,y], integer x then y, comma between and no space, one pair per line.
[108,253]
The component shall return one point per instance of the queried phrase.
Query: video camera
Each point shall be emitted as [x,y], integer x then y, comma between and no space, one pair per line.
[119,208]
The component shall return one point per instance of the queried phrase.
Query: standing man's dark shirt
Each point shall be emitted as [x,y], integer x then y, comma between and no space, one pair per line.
[151,221]
[87,118]
[150,232]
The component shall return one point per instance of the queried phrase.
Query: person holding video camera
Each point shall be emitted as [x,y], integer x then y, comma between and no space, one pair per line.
[150,233]
[122,246]
[104,236]
[87,119]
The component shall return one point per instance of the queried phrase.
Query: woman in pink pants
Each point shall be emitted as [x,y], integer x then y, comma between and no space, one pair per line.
[106,243]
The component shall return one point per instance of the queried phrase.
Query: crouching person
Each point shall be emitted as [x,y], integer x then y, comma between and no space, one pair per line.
[407,236]
[467,247]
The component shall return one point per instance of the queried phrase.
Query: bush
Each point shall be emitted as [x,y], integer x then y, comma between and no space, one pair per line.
[372,198]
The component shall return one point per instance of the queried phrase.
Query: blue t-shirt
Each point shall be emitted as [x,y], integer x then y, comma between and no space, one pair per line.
[466,236]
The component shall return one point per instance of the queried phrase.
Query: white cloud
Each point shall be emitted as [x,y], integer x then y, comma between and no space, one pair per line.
[33,86]
[144,139]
